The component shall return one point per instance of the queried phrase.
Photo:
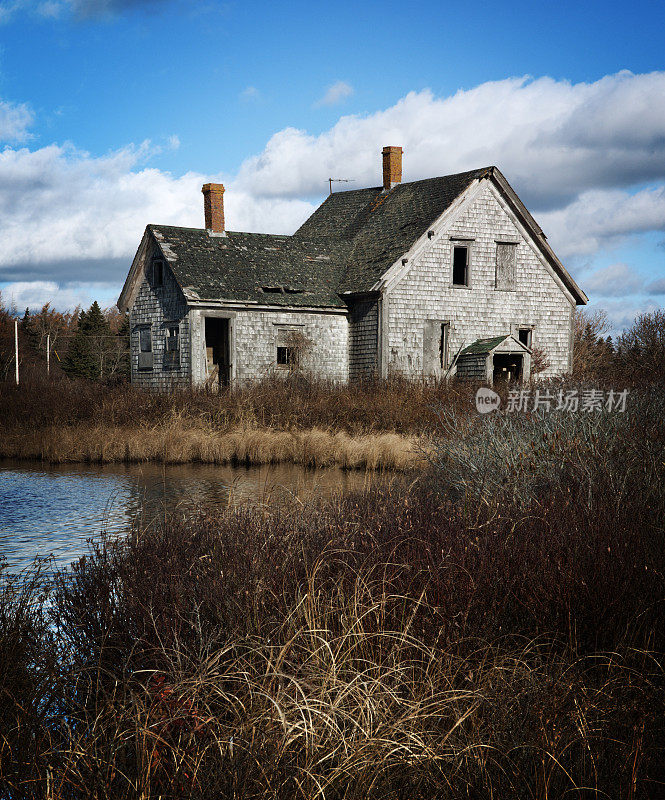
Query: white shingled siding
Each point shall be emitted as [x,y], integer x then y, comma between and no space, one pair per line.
[254,336]
[425,293]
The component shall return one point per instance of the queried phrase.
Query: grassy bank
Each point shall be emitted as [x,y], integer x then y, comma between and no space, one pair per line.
[183,441]
[373,425]
[493,629]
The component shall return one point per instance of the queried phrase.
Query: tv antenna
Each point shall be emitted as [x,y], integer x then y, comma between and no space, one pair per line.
[339,180]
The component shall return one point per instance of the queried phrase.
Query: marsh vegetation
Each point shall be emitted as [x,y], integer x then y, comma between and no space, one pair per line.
[490,627]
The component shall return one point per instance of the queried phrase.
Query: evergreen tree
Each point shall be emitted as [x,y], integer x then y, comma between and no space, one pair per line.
[78,360]
[94,350]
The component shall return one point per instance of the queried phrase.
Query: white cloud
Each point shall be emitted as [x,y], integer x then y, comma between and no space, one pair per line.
[617,280]
[622,315]
[34,294]
[602,218]
[543,134]
[65,215]
[335,94]
[572,151]
[15,119]
[52,9]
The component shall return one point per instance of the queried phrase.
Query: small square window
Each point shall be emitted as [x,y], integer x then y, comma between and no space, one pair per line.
[284,356]
[460,265]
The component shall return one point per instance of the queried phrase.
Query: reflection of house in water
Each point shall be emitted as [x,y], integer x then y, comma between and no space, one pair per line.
[403,278]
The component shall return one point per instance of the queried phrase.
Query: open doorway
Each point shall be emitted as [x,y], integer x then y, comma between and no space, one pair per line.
[507,367]
[218,366]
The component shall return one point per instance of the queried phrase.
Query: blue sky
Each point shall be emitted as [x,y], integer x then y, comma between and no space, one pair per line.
[113,112]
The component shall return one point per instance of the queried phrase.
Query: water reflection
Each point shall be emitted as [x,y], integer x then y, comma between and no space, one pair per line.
[54,510]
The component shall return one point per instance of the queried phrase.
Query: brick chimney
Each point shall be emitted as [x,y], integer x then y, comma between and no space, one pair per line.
[213,206]
[392,167]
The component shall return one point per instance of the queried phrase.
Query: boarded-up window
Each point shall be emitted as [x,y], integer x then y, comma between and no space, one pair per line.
[506,257]
[435,348]
[145,340]
[172,349]
[145,347]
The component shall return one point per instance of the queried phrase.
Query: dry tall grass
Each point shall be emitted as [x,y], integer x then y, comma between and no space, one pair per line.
[180,441]
[387,644]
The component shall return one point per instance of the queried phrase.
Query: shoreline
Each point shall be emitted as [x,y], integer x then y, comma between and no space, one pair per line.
[188,444]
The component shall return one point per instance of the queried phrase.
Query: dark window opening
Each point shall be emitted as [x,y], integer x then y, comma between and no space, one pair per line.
[443,345]
[460,266]
[525,336]
[272,289]
[284,356]
[158,272]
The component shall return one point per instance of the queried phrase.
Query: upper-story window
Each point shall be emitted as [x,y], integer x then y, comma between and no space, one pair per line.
[506,259]
[461,265]
[158,272]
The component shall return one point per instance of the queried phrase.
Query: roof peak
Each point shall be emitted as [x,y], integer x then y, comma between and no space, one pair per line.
[480,171]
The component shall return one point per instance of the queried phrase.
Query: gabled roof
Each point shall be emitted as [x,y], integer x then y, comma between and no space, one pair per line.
[486,346]
[345,247]
[381,226]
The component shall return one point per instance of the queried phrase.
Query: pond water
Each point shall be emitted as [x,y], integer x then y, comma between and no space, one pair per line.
[53,510]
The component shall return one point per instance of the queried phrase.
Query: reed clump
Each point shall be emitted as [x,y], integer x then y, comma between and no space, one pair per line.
[477,637]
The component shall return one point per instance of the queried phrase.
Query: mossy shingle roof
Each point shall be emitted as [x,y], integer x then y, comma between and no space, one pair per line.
[482,346]
[254,267]
[345,246]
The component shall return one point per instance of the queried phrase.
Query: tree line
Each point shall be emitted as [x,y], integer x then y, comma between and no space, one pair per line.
[92,343]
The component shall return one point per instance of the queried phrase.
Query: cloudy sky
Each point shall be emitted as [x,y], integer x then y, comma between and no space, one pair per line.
[114,112]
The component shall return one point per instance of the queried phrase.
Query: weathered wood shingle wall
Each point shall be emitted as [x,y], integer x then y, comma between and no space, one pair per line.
[155,307]
[479,310]
[363,339]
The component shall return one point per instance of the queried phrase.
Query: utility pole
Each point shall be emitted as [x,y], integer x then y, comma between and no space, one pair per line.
[16,347]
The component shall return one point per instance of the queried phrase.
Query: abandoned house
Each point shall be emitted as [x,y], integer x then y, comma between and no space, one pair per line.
[431,278]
